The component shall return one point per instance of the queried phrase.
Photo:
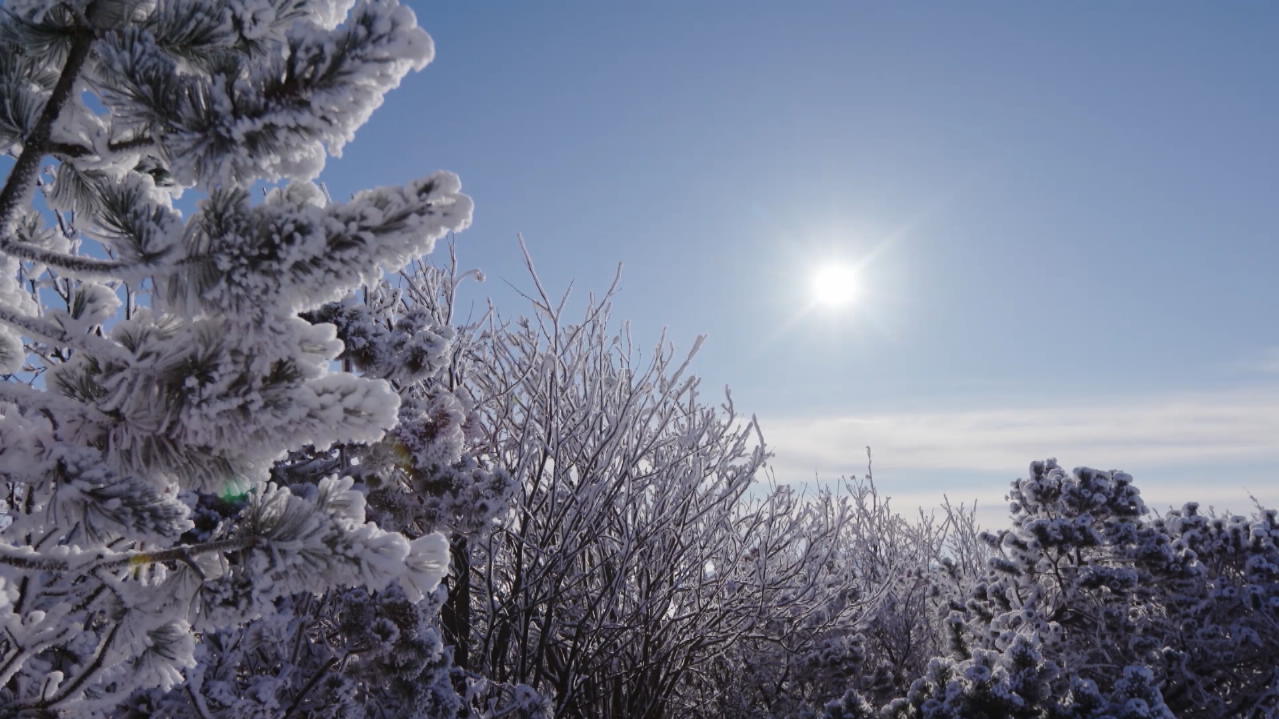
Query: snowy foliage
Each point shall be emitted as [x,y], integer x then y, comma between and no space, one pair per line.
[869,624]
[158,371]
[1093,607]
[623,526]
[355,653]
[239,454]
[641,561]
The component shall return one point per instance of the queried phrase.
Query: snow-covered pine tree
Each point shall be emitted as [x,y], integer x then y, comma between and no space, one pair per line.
[155,362]
[353,653]
[1095,608]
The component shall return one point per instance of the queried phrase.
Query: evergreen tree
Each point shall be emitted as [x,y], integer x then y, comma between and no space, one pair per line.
[355,653]
[1092,607]
[157,366]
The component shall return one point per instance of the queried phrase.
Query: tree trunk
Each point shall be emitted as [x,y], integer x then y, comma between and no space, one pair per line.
[456,613]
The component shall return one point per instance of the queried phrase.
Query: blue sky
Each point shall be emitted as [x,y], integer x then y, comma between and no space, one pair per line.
[1065,216]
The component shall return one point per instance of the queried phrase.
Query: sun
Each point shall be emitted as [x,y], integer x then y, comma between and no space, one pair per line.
[834,285]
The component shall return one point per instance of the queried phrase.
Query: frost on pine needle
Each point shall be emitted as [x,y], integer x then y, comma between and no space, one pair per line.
[266,105]
[293,254]
[160,387]
[358,652]
[1094,606]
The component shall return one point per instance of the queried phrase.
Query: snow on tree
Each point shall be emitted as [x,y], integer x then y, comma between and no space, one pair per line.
[641,548]
[231,452]
[1093,607]
[872,625]
[355,653]
[157,363]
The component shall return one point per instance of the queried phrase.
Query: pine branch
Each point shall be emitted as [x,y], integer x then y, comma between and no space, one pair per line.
[85,268]
[18,188]
[297,701]
[89,672]
[50,332]
[26,396]
[70,149]
[21,653]
[34,561]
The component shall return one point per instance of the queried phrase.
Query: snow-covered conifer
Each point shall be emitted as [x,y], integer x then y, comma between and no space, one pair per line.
[157,366]
[354,653]
[1171,615]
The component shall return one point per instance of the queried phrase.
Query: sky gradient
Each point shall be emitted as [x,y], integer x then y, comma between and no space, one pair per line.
[1065,218]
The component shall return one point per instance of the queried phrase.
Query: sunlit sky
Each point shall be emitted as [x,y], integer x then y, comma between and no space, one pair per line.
[1065,217]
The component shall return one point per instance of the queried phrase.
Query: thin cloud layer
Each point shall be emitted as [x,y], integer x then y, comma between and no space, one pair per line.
[1170,442]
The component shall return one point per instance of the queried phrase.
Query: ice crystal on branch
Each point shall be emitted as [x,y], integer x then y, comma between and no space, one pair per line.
[157,362]
[1093,607]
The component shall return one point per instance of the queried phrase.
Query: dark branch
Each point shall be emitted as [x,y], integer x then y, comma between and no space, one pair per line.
[18,188]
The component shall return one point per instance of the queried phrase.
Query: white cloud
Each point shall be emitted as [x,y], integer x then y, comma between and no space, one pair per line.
[1185,445]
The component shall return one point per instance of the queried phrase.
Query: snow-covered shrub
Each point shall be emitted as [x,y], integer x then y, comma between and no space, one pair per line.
[1094,607]
[597,590]
[634,556]
[868,624]
[157,367]
[1018,682]
[1192,599]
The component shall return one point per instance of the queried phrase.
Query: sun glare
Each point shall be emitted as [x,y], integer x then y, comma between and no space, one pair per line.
[834,285]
